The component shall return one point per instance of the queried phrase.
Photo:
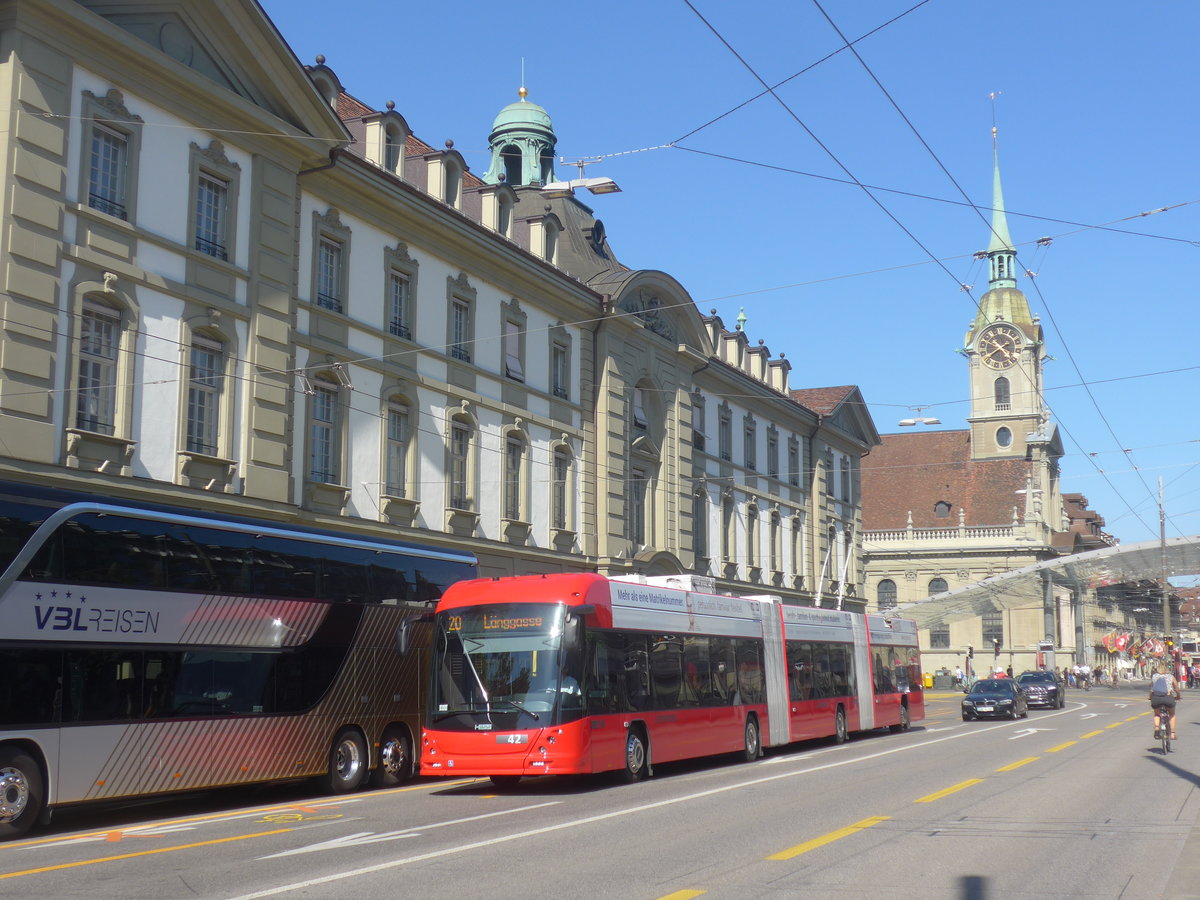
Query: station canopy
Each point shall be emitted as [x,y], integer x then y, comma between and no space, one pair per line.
[1024,588]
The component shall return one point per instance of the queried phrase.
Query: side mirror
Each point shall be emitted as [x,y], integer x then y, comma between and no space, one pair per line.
[573,626]
[404,634]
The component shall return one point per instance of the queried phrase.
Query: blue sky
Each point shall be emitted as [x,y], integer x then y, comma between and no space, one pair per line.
[1097,125]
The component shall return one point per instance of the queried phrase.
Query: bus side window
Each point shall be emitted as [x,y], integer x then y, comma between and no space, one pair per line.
[822,680]
[800,670]
[724,664]
[697,674]
[749,669]
[666,671]
[637,672]
[605,679]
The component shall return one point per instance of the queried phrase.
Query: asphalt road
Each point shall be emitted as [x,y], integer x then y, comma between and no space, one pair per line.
[1073,803]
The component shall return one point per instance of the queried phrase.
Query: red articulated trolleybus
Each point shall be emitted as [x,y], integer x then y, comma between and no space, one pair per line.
[574,673]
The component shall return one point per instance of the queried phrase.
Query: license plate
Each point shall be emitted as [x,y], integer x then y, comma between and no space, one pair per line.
[984,708]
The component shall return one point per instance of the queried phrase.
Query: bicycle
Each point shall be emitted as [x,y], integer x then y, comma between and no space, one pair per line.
[1162,726]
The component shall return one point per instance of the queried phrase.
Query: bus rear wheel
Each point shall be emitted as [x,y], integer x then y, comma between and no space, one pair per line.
[753,744]
[21,792]
[841,733]
[395,757]
[904,722]
[347,762]
[635,755]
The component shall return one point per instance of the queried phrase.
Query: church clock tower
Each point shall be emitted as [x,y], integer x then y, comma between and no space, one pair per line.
[1004,351]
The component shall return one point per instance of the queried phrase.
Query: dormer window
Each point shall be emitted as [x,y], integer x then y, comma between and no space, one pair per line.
[550,246]
[393,148]
[941,510]
[452,188]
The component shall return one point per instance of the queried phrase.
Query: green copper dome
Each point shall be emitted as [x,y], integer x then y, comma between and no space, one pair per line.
[522,144]
[523,116]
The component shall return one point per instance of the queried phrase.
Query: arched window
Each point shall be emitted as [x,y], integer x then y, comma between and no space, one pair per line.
[398,431]
[325,431]
[515,449]
[550,250]
[562,490]
[511,156]
[393,148]
[938,586]
[461,436]
[206,384]
[752,536]
[941,510]
[886,593]
[1003,394]
[100,339]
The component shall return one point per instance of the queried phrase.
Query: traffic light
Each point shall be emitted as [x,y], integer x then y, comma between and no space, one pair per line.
[970,652]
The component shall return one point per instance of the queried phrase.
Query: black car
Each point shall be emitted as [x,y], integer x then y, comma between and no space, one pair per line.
[995,698]
[1044,689]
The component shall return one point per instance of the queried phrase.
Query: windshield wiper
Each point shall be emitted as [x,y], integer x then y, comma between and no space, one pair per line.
[527,712]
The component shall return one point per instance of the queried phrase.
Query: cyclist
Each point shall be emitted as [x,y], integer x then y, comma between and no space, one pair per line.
[1164,692]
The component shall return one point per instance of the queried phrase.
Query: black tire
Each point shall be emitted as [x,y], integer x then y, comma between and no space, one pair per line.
[966,718]
[505,782]
[841,733]
[636,754]
[348,762]
[1025,713]
[904,723]
[753,740]
[22,792]
[395,763]
[1012,712]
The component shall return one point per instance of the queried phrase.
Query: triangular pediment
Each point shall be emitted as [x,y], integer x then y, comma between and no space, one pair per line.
[234,46]
[851,417]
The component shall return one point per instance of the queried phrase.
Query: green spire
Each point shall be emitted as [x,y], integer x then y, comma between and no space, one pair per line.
[1001,253]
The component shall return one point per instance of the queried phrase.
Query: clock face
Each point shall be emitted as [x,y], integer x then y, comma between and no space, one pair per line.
[1000,346]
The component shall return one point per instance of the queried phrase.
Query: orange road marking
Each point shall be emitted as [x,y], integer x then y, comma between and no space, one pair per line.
[92,862]
[682,895]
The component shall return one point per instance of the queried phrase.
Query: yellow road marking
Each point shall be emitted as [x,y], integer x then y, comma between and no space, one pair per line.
[228,814]
[1058,747]
[1090,734]
[682,895]
[1020,762]
[1114,725]
[92,862]
[945,792]
[793,852]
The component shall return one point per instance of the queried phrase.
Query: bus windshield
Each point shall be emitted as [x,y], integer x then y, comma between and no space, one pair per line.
[497,667]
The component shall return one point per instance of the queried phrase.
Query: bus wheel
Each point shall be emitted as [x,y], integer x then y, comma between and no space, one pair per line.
[505,782]
[347,762]
[904,720]
[635,755]
[395,758]
[840,733]
[753,745]
[21,792]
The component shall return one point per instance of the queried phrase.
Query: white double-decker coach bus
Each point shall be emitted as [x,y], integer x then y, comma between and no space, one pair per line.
[146,650]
